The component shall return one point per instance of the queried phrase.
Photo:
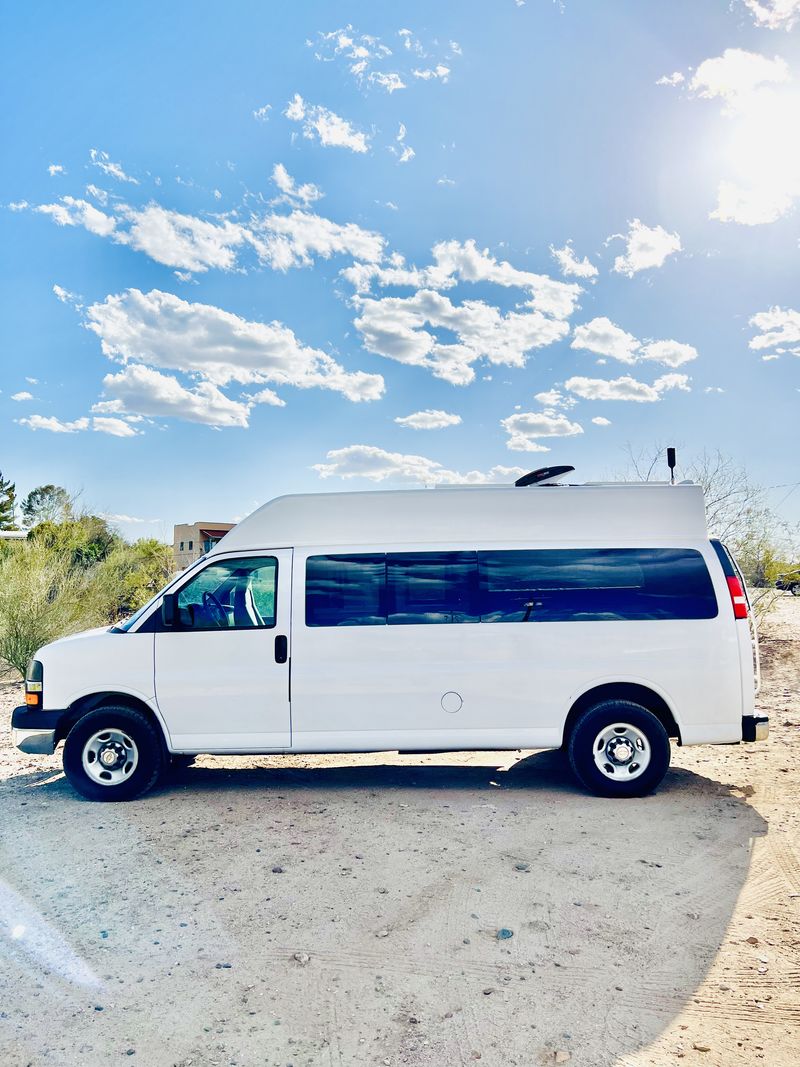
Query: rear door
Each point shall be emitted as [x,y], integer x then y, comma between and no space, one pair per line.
[222,672]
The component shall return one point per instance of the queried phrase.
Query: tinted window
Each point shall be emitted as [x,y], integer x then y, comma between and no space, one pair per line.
[231,595]
[595,584]
[346,590]
[432,587]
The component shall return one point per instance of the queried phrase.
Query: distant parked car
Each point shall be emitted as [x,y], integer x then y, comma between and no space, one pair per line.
[789,582]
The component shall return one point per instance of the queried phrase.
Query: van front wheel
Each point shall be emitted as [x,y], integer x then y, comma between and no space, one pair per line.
[113,753]
[619,749]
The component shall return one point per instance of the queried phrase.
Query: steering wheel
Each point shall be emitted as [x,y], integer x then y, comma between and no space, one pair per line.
[215,611]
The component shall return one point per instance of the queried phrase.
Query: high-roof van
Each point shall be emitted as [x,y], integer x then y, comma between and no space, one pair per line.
[598,618]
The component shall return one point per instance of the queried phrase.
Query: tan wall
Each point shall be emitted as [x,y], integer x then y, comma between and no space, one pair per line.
[190,532]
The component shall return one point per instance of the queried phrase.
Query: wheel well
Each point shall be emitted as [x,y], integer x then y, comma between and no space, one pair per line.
[640,694]
[99,700]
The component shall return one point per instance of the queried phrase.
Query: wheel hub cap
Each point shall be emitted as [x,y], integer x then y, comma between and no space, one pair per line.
[621,751]
[110,757]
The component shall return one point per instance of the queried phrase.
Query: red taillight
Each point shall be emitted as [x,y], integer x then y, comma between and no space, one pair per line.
[738,599]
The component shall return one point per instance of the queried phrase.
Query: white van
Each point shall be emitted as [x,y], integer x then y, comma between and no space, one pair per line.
[597,618]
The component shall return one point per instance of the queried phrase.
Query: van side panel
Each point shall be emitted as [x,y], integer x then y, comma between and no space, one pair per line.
[493,686]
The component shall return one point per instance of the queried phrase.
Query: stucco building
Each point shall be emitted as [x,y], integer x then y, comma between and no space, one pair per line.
[190,541]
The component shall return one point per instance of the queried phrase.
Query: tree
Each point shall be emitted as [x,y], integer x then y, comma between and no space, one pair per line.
[85,540]
[47,503]
[8,497]
[737,512]
[129,576]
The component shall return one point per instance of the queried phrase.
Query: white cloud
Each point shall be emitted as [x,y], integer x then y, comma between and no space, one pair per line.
[143,391]
[602,336]
[526,427]
[440,72]
[182,241]
[113,170]
[100,195]
[444,180]
[71,212]
[285,241]
[113,426]
[330,129]
[54,425]
[306,193]
[162,330]
[430,419]
[55,169]
[669,353]
[404,152]
[377,465]
[780,330]
[600,420]
[395,327]
[192,244]
[373,63]
[751,207]
[261,114]
[570,265]
[736,74]
[774,14]
[671,79]
[553,398]
[646,247]
[406,328]
[267,396]
[625,388]
[24,395]
[129,519]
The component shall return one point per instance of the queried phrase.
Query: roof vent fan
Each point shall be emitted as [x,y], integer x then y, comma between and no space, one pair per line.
[543,476]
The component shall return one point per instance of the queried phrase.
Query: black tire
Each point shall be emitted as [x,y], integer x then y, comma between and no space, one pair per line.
[581,750]
[147,745]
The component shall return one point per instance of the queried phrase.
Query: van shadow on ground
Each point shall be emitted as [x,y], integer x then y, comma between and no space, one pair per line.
[617,908]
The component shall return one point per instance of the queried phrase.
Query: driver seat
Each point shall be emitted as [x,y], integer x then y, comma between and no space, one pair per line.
[245,612]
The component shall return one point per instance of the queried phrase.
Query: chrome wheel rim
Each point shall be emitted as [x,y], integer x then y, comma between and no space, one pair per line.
[110,757]
[621,752]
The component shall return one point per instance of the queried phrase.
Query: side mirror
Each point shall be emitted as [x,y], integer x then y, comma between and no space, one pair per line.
[169,609]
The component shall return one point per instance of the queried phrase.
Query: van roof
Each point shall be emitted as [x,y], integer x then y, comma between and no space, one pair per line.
[613,512]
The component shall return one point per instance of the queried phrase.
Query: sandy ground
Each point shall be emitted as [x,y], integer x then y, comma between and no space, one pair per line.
[340,911]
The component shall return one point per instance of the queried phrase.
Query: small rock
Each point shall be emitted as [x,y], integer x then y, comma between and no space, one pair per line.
[522,866]
[413,1019]
[488,991]
[302,958]
[382,933]
[104,934]
[98,1007]
[701,1048]
[504,933]
[561,1056]
[224,966]
[130,1052]
[277,870]
[752,940]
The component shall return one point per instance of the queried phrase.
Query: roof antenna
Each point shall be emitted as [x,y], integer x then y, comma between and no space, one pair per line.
[671,465]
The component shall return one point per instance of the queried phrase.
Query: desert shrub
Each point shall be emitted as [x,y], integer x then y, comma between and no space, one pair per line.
[129,576]
[42,597]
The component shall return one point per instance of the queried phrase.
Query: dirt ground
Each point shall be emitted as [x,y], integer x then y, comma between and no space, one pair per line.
[339,911]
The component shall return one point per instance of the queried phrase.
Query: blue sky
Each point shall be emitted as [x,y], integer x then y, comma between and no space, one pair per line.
[238,245]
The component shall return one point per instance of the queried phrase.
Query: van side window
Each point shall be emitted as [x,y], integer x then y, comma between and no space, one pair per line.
[234,594]
[517,585]
[346,590]
[575,584]
[431,587]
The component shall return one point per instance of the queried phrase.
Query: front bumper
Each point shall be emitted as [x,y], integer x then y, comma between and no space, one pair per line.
[755,728]
[34,730]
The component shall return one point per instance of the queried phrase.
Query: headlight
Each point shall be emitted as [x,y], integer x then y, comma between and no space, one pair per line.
[34,684]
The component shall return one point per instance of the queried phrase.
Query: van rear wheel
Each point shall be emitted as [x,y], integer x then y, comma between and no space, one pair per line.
[113,753]
[619,749]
